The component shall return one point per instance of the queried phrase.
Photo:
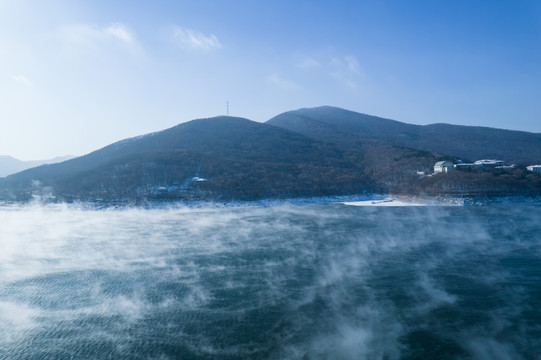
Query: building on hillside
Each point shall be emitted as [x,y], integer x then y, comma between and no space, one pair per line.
[443,167]
[507,167]
[534,168]
[486,162]
[463,166]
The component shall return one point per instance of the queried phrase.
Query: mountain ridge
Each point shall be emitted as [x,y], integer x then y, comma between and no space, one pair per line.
[468,142]
[10,165]
[241,158]
[302,153]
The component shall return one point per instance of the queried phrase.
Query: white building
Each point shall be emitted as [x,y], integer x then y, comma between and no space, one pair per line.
[534,168]
[466,166]
[489,162]
[443,167]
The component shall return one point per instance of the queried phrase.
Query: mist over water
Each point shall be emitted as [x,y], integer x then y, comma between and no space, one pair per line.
[286,282]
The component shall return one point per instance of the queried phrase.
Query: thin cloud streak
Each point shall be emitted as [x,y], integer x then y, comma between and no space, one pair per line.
[352,64]
[347,70]
[84,34]
[121,32]
[308,63]
[282,83]
[193,39]
[21,79]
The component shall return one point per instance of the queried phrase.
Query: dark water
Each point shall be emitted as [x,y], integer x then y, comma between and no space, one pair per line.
[288,282]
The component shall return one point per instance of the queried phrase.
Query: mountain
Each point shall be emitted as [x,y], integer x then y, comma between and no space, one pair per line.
[393,151]
[349,128]
[303,153]
[220,158]
[10,165]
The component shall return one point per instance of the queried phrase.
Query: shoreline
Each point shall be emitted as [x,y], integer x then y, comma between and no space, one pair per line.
[374,200]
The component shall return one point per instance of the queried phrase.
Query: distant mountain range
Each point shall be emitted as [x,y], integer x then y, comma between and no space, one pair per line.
[9,165]
[307,152]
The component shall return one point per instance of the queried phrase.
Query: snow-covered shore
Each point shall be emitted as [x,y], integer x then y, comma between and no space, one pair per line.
[388,202]
[348,200]
[400,200]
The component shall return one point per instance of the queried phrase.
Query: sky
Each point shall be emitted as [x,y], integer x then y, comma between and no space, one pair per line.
[77,75]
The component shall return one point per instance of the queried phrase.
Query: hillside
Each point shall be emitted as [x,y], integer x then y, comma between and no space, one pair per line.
[349,128]
[219,158]
[304,153]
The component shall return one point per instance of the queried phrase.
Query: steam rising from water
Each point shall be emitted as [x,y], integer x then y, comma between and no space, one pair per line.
[320,281]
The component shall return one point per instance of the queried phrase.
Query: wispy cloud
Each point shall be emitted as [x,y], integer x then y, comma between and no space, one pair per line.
[194,39]
[308,63]
[21,79]
[352,64]
[282,83]
[346,70]
[84,33]
[121,32]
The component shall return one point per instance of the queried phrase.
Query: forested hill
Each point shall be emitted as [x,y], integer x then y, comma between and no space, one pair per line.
[467,142]
[304,153]
[219,158]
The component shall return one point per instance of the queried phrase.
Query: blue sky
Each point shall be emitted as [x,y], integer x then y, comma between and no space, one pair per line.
[78,75]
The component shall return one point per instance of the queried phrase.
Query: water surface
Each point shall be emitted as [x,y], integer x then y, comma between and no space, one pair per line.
[285,282]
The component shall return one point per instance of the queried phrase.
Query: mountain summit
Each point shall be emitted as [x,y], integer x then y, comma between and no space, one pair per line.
[468,142]
[302,153]
[220,158]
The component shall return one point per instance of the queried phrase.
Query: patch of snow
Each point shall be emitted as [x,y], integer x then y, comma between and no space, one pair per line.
[488,162]
[198,179]
[388,202]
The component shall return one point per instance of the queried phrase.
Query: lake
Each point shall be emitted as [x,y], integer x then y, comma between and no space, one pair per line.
[320,281]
